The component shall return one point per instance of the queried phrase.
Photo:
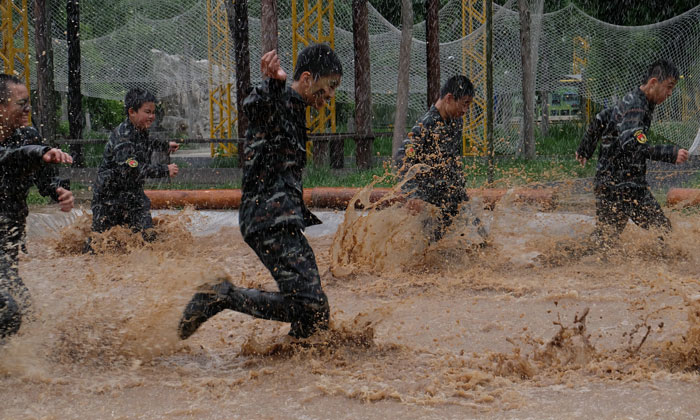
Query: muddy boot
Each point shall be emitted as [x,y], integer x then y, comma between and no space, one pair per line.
[207,302]
[315,319]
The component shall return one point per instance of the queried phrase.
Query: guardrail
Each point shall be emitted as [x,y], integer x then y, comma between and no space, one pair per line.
[328,148]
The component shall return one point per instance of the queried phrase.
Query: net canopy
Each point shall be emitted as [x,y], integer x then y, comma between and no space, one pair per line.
[162,45]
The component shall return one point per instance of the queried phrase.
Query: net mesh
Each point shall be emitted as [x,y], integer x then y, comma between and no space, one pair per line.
[162,45]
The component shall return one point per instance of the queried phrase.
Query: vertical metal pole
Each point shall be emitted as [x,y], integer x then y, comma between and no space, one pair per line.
[75,109]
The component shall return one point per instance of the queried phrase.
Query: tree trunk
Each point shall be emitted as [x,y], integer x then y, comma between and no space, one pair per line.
[75,113]
[237,13]
[432,49]
[45,109]
[363,92]
[544,95]
[404,69]
[527,138]
[268,23]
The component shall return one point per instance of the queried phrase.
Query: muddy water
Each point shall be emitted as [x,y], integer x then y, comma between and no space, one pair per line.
[520,329]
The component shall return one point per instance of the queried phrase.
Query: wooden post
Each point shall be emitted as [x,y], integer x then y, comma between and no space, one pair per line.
[432,49]
[268,23]
[75,110]
[527,141]
[404,70]
[45,107]
[363,91]
[237,12]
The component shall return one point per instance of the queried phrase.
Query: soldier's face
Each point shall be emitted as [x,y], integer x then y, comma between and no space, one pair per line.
[14,113]
[660,91]
[457,108]
[319,92]
[144,117]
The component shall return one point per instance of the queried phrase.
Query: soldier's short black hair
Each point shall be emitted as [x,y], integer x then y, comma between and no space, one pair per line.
[459,86]
[136,97]
[661,70]
[320,60]
[5,81]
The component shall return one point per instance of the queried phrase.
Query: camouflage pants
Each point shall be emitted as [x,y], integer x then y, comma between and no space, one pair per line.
[614,207]
[15,301]
[291,261]
[136,214]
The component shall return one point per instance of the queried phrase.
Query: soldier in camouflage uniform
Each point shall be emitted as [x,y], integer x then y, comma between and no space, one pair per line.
[118,198]
[24,162]
[621,188]
[436,141]
[272,214]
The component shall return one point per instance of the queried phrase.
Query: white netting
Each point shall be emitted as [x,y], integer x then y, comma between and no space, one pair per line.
[162,45]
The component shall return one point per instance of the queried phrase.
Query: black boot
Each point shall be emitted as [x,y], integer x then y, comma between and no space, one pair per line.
[209,301]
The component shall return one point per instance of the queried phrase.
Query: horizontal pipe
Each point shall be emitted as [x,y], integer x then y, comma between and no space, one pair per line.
[686,197]
[326,197]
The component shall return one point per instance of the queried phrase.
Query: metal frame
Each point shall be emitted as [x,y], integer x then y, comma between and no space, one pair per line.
[308,28]
[580,61]
[474,133]
[13,56]
[222,114]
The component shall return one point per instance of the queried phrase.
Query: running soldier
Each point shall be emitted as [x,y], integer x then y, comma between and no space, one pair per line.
[272,214]
[436,141]
[119,198]
[24,162]
[621,188]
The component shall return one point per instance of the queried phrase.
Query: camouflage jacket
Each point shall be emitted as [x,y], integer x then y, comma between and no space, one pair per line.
[624,154]
[438,144]
[594,135]
[274,158]
[20,168]
[126,163]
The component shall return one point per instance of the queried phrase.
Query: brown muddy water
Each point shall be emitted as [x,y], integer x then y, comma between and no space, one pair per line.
[524,328]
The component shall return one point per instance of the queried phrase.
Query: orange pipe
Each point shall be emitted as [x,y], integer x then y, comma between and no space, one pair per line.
[325,197]
[685,196]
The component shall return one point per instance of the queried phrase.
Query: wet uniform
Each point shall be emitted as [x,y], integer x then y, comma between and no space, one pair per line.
[438,144]
[621,187]
[119,198]
[273,214]
[21,166]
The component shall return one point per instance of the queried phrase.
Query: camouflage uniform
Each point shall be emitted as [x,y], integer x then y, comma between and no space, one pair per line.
[21,166]
[273,214]
[118,198]
[621,187]
[438,144]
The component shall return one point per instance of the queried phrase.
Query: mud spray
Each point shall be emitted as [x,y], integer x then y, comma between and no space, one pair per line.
[521,328]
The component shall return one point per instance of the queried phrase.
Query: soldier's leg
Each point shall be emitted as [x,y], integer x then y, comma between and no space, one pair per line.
[300,301]
[611,217]
[140,220]
[647,213]
[15,300]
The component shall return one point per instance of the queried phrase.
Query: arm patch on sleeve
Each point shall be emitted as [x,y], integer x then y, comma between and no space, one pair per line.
[132,162]
[640,136]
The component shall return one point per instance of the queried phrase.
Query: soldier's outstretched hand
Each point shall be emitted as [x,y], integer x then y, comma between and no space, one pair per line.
[582,160]
[57,156]
[270,66]
[173,147]
[172,170]
[65,199]
[682,156]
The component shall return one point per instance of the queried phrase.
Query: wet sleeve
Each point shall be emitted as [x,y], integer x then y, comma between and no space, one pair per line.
[129,169]
[633,137]
[27,156]
[408,153]
[262,104]
[46,177]
[664,153]
[592,136]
